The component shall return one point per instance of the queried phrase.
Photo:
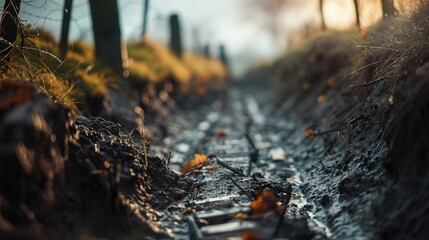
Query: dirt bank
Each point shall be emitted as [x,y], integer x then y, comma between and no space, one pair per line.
[363,106]
[62,175]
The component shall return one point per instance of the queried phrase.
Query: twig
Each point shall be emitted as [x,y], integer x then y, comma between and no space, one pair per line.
[214,155]
[286,203]
[169,156]
[252,144]
[232,169]
[244,191]
[368,83]
[319,160]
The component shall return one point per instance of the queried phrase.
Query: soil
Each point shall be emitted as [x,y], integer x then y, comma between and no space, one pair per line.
[361,174]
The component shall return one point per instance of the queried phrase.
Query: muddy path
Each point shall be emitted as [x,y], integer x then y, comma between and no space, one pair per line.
[250,155]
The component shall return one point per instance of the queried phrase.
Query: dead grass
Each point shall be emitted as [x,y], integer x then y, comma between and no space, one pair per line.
[78,76]
[154,62]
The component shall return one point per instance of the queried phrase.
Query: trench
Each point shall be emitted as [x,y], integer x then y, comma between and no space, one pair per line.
[254,156]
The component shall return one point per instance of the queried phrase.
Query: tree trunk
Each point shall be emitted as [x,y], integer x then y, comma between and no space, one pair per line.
[356,2]
[65,29]
[322,16]
[175,41]
[9,24]
[145,13]
[107,35]
[388,8]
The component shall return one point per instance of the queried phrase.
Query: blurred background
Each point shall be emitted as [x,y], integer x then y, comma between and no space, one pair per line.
[252,30]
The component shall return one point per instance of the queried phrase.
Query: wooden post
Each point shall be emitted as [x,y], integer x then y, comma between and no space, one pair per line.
[196,40]
[9,24]
[356,2]
[175,38]
[65,29]
[107,35]
[145,13]
[388,8]
[207,52]
[322,16]
[223,56]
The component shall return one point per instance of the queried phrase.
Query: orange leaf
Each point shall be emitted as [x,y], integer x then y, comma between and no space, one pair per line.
[265,202]
[98,172]
[249,235]
[306,86]
[309,133]
[198,161]
[321,99]
[241,216]
[332,81]
[221,133]
[106,164]
[213,168]
[201,90]
[187,211]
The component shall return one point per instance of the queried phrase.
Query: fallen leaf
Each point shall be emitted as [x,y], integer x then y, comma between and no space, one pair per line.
[201,90]
[221,133]
[249,235]
[265,202]
[187,211]
[309,133]
[306,86]
[332,81]
[321,99]
[213,168]
[198,161]
[98,172]
[242,216]
[106,164]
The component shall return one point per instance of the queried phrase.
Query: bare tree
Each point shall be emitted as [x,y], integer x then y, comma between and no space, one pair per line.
[356,2]
[107,34]
[67,11]
[322,16]
[388,8]
[9,25]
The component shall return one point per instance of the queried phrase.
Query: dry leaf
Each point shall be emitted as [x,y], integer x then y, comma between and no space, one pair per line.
[309,133]
[221,133]
[306,86]
[98,172]
[106,164]
[321,99]
[198,161]
[240,216]
[249,235]
[332,81]
[265,202]
[201,90]
[213,168]
[187,211]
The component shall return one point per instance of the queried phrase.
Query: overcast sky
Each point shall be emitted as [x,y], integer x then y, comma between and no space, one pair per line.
[218,21]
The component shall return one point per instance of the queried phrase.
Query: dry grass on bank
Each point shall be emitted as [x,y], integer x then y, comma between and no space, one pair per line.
[154,62]
[77,76]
